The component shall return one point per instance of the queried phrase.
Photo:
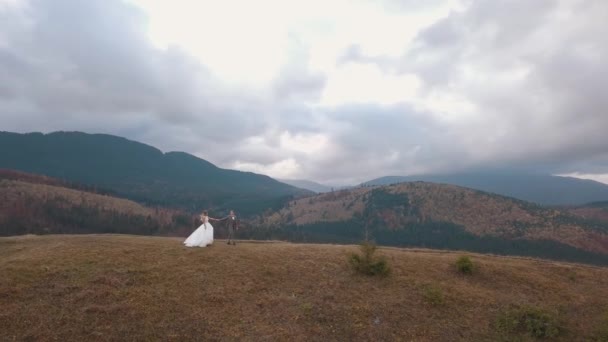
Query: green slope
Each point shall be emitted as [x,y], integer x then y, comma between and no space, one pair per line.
[141,172]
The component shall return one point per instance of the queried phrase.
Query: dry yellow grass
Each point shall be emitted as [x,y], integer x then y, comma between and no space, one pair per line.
[102,288]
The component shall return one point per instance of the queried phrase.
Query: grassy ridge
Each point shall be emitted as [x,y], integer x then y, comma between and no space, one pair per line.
[151,288]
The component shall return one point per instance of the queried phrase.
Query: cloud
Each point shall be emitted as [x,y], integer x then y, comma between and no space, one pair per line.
[297,82]
[533,79]
[69,64]
[338,93]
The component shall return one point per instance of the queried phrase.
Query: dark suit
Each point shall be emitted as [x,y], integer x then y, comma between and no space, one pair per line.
[233,225]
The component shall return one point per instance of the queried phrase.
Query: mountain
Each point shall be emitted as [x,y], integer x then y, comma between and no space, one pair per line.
[31,204]
[137,288]
[306,184]
[537,188]
[438,216]
[141,172]
[601,205]
[313,186]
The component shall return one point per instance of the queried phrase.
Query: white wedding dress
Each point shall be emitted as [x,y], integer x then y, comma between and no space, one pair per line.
[202,236]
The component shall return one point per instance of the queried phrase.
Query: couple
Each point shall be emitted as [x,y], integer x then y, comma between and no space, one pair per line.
[203,235]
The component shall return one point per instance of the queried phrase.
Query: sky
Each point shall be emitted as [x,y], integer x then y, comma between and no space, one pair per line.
[338,92]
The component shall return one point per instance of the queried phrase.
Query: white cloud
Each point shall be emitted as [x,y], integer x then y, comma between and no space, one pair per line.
[279,169]
[602,178]
[357,83]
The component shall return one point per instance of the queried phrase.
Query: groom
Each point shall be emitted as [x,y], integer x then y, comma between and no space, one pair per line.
[233,226]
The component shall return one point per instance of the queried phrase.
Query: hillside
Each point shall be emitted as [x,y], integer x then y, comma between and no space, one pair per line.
[9,174]
[596,212]
[31,204]
[145,288]
[439,216]
[141,172]
[536,188]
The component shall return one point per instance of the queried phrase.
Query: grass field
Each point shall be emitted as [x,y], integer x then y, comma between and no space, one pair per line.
[114,287]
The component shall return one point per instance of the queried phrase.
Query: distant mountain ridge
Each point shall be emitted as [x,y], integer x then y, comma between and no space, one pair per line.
[141,172]
[537,188]
[307,185]
[420,214]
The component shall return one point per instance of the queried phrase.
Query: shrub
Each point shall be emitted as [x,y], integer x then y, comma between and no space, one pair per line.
[464,265]
[366,263]
[533,321]
[433,295]
[572,276]
[306,307]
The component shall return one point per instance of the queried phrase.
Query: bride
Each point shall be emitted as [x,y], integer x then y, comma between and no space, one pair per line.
[203,235]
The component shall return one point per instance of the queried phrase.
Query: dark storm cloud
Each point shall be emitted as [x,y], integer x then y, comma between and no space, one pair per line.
[91,58]
[535,71]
